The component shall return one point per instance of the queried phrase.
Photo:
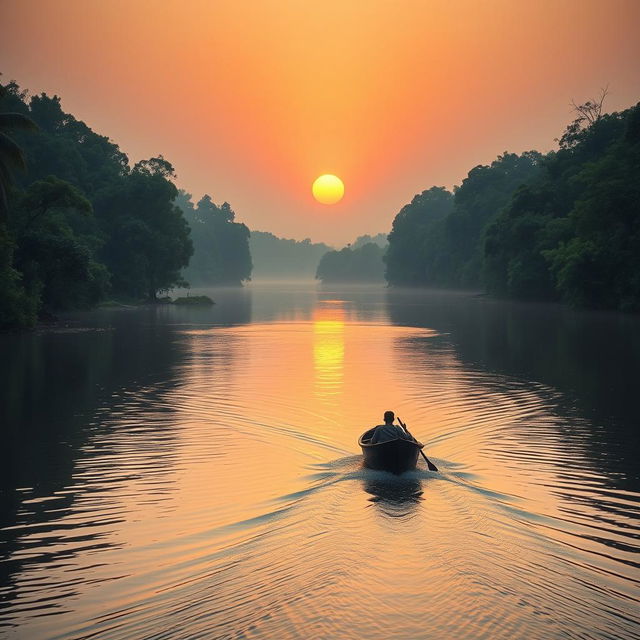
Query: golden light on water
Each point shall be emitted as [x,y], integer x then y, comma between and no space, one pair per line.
[328,350]
[328,189]
[239,473]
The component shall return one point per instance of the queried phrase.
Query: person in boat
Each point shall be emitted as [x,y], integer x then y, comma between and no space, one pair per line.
[389,431]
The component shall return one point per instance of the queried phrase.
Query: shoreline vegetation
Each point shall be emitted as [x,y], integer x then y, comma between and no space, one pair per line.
[80,226]
[360,262]
[559,227]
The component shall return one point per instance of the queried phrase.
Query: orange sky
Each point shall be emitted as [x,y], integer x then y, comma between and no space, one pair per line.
[251,100]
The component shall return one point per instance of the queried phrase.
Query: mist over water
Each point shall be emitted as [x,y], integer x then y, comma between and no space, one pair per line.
[194,472]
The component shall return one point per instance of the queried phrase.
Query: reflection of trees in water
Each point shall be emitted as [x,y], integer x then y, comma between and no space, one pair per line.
[76,403]
[590,357]
[51,385]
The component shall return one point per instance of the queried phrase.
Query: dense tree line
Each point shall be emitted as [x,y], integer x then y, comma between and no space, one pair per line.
[78,223]
[221,246]
[561,226]
[573,233]
[363,264]
[275,257]
[360,261]
[437,239]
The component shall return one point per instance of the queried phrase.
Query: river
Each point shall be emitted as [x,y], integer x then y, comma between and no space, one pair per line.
[194,472]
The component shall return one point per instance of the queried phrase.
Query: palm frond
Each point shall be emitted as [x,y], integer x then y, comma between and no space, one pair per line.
[11,153]
[5,175]
[4,204]
[17,121]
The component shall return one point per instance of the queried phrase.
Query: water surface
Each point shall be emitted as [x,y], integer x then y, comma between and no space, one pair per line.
[194,473]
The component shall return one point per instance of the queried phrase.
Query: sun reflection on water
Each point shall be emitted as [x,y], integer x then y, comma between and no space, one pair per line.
[328,349]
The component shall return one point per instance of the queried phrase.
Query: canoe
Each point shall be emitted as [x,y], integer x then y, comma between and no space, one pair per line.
[396,456]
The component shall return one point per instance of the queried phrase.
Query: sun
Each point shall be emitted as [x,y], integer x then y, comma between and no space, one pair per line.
[328,189]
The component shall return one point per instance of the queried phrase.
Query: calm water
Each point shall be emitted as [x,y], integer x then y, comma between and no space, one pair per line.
[194,473]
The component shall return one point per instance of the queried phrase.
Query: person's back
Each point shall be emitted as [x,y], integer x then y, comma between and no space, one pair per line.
[389,431]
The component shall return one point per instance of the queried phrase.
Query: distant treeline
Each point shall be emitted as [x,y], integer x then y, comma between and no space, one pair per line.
[563,226]
[79,224]
[361,261]
[275,257]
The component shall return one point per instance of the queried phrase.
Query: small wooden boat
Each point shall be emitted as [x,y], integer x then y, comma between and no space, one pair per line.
[396,456]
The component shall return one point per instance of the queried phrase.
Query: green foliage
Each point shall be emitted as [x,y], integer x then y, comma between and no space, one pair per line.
[80,222]
[565,226]
[148,241]
[11,154]
[54,229]
[438,238]
[17,307]
[364,264]
[415,230]
[221,246]
[574,233]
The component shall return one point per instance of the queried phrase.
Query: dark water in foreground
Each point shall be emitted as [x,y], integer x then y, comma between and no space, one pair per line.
[194,473]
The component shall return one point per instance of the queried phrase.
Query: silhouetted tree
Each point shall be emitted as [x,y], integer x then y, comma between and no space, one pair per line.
[83,221]
[148,237]
[221,245]
[17,308]
[414,230]
[11,154]
[363,264]
[574,233]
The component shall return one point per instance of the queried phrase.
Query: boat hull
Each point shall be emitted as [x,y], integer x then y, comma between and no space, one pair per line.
[396,456]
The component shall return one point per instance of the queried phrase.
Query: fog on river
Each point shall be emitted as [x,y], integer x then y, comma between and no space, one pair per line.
[194,472]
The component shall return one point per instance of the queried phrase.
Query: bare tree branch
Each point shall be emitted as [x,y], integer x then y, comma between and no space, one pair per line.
[591,110]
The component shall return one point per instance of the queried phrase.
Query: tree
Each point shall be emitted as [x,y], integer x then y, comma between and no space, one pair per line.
[221,246]
[83,222]
[416,226]
[148,237]
[380,239]
[574,233]
[364,264]
[55,235]
[11,154]
[588,114]
[17,307]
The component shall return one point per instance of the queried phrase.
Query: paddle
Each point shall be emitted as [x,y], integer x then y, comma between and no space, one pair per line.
[432,467]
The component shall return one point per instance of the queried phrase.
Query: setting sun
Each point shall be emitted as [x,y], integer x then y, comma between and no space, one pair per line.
[328,189]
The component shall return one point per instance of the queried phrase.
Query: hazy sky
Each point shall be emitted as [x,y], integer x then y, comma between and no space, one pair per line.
[251,100]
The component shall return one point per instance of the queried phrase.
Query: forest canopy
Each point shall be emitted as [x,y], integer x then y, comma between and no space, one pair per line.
[79,224]
[562,226]
[360,261]
[363,264]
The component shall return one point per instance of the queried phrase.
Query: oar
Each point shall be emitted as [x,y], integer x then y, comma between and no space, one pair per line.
[432,467]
